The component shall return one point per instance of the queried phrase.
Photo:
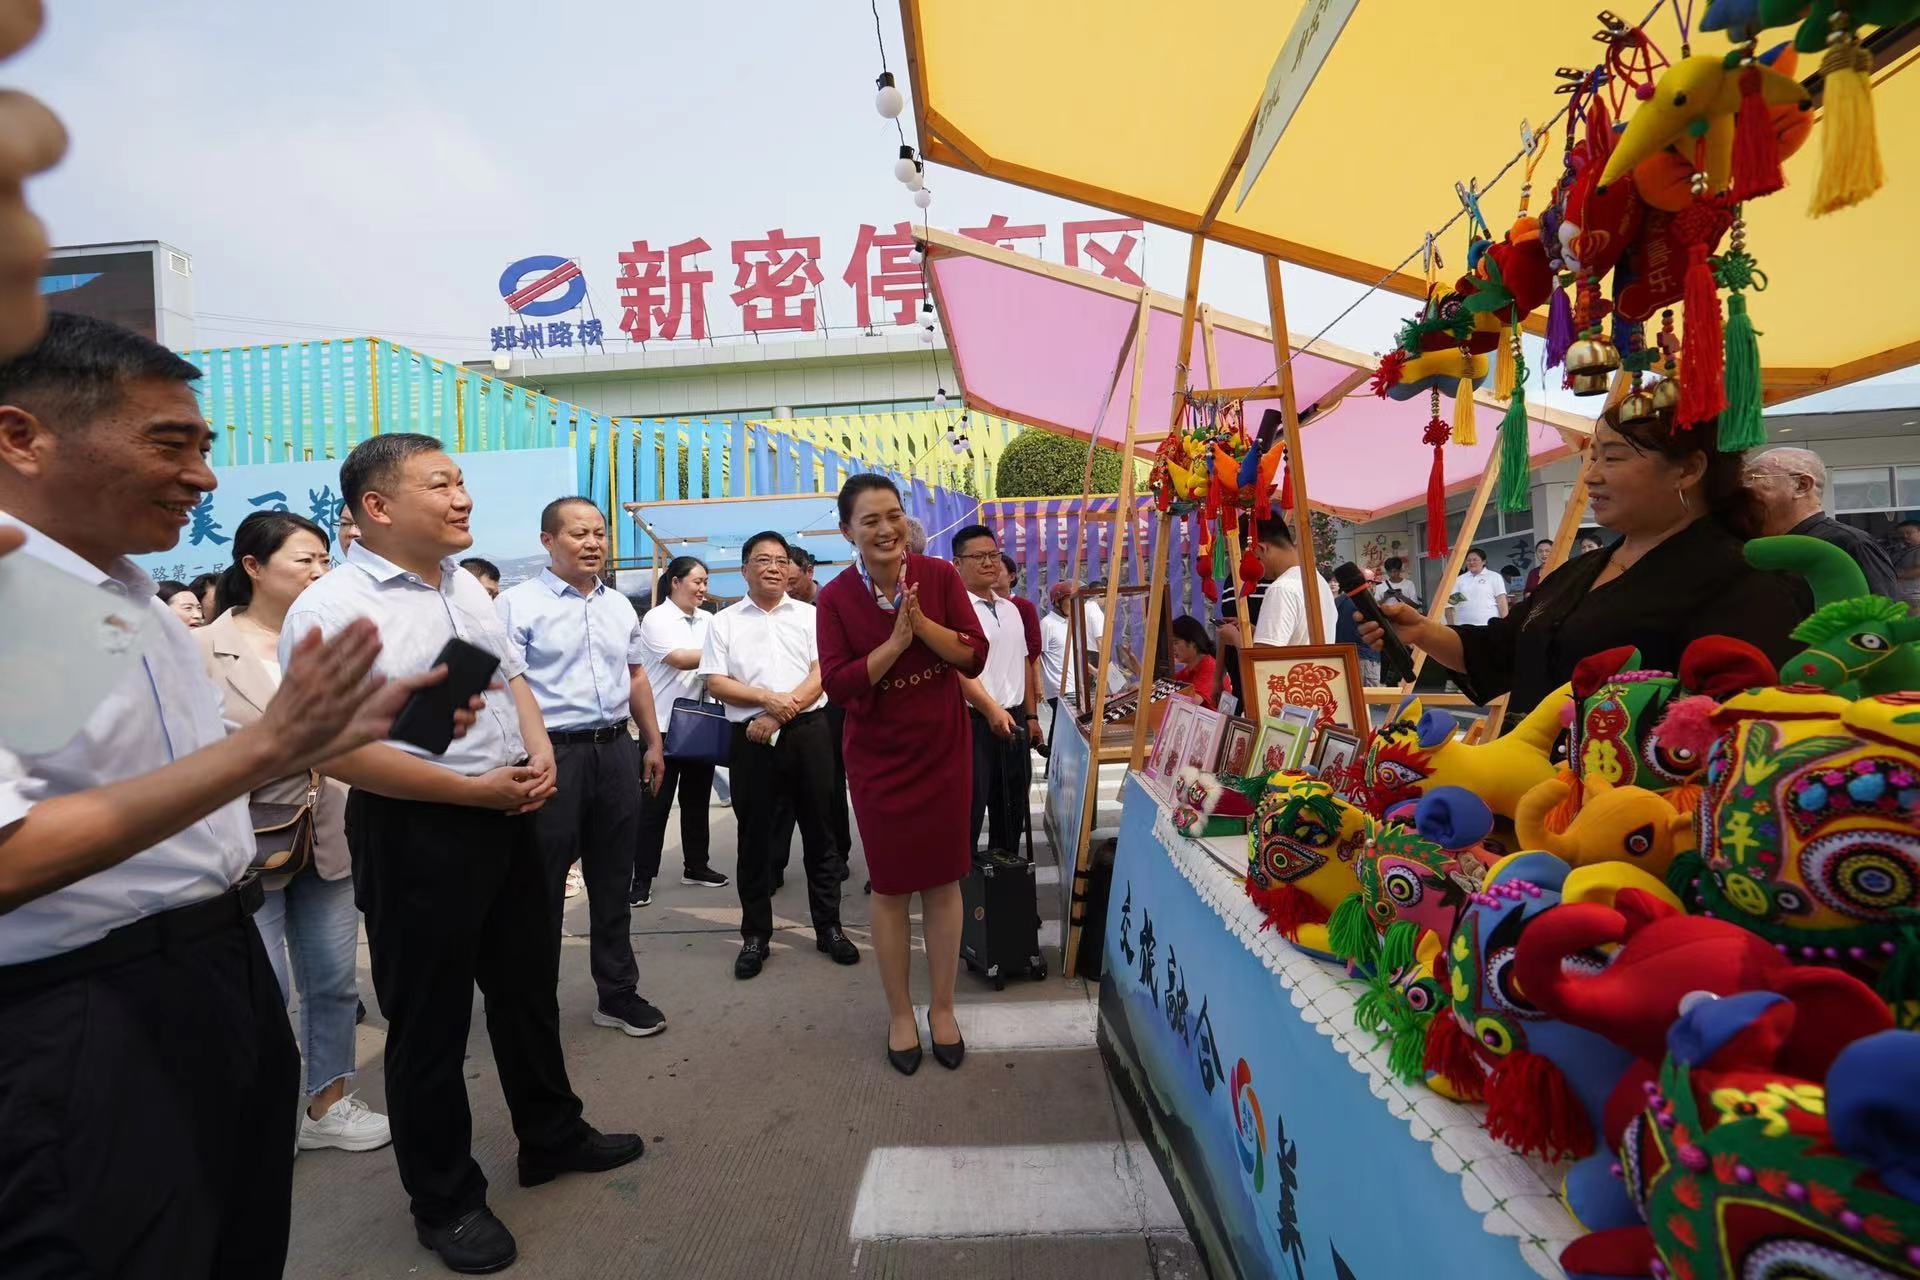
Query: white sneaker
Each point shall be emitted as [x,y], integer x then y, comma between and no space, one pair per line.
[575,881]
[349,1125]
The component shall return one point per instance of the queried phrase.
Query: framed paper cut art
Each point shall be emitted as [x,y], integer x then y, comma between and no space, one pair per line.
[1170,742]
[1324,678]
[1236,748]
[1203,747]
[1334,753]
[1281,747]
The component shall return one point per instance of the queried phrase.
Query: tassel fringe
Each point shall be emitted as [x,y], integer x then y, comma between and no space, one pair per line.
[1450,1055]
[1740,423]
[1287,909]
[1463,432]
[1850,168]
[1350,934]
[1505,373]
[1756,151]
[1532,1109]
[1703,392]
[1559,328]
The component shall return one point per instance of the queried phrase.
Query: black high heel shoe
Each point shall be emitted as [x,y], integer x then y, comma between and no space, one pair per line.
[949,1055]
[907,1061]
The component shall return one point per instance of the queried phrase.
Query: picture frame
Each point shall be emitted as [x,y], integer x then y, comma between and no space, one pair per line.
[1170,743]
[1280,747]
[1324,678]
[1336,751]
[1236,747]
[1203,745]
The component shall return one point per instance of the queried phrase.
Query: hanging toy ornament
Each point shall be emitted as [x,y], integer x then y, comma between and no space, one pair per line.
[1703,392]
[1850,168]
[1515,487]
[1666,392]
[1736,271]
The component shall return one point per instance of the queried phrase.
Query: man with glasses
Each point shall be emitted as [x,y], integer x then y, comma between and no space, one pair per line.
[1003,710]
[762,659]
[1791,484]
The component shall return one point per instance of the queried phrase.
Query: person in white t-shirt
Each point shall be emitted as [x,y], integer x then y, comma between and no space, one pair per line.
[1479,594]
[1397,585]
[1283,613]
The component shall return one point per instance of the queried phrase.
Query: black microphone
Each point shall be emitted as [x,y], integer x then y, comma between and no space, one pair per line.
[1269,428]
[1396,660]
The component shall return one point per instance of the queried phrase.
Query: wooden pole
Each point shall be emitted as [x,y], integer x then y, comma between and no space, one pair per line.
[1229,524]
[1296,460]
[1462,543]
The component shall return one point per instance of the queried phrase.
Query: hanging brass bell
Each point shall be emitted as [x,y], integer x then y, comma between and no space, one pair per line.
[1591,364]
[1665,394]
[1637,410]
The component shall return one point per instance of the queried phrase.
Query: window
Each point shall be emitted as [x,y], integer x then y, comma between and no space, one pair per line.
[1865,488]
[1906,487]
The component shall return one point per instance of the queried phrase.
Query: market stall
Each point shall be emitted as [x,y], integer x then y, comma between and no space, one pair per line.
[1664,933]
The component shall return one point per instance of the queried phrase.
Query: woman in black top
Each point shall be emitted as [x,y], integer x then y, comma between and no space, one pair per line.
[1676,573]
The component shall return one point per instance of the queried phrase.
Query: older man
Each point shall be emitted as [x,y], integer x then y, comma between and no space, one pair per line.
[1792,484]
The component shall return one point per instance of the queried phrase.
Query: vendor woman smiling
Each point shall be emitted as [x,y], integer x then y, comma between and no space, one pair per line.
[1676,573]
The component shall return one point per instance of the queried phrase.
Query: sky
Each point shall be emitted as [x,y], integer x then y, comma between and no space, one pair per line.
[365,168]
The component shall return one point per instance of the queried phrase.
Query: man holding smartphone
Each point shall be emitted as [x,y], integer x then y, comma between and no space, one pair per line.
[580,641]
[446,860]
[148,1075]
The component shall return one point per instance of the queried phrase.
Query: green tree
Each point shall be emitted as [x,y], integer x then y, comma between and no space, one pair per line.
[1040,464]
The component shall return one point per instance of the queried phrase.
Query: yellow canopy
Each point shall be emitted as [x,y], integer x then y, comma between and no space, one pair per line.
[1143,107]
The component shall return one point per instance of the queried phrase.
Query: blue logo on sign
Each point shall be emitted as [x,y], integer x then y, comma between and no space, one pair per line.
[543,286]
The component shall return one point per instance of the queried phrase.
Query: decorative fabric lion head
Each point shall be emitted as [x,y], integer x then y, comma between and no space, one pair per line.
[1417,750]
[1809,832]
[1301,849]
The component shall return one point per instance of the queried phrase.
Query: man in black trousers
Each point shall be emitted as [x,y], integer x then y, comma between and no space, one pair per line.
[580,640]
[446,861]
[148,1077]
[762,659]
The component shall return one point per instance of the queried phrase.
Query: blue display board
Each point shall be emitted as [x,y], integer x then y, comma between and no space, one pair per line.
[1285,1161]
[508,489]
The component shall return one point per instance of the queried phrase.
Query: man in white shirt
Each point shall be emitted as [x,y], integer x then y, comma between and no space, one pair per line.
[446,860]
[1479,595]
[1396,586]
[148,1075]
[1000,698]
[580,641]
[762,659]
[1283,609]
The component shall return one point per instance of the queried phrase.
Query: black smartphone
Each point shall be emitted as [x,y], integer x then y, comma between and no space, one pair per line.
[427,719]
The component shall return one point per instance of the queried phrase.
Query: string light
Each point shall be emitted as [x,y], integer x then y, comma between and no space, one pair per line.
[889,102]
[905,168]
[923,198]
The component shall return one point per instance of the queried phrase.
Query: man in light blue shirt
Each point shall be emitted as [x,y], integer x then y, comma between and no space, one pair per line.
[580,641]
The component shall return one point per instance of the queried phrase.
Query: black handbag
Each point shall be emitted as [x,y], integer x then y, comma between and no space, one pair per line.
[698,733]
[283,834]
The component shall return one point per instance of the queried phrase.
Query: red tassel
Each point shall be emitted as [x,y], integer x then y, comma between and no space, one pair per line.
[1287,909]
[1249,568]
[1451,1056]
[1531,1108]
[1286,484]
[1756,148]
[1210,589]
[1437,434]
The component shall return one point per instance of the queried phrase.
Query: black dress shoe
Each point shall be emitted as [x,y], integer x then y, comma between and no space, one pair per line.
[949,1055]
[592,1152]
[753,954]
[839,946]
[476,1244]
[905,1061]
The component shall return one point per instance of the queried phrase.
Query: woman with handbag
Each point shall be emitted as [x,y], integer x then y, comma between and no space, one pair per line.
[672,636]
[299,827]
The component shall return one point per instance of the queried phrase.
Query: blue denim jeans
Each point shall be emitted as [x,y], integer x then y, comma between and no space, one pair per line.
[315,921]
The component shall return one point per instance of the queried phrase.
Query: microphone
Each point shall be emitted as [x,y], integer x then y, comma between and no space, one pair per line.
[1269,428]
[1396,660]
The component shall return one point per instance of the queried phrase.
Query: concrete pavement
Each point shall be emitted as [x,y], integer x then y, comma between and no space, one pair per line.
[780,1143]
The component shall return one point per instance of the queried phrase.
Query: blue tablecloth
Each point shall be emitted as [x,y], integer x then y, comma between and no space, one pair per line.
[1290,1148]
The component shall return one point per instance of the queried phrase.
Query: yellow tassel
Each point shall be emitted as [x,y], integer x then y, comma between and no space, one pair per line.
[1503,368]
[1463,413]
[1849,152]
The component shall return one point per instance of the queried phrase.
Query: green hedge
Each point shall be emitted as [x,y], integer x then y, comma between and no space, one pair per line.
[1040,464]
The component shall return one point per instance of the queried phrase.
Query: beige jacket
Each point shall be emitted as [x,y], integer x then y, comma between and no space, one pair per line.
[245,689]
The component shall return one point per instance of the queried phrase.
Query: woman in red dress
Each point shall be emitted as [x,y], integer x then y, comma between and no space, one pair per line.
[896,633]
[1193,656]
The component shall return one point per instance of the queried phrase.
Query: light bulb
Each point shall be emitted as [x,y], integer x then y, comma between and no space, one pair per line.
[915,256]
[940,398]
[888,102]
[904,168]
[502,361]
[917,182]
[923,197]
[926,335]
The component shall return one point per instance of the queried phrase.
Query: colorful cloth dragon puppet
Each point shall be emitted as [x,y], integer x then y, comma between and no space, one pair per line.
[1417,750]
[1858,643]
[1301,849]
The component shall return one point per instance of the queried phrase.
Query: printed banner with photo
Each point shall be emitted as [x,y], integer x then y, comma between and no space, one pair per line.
[509,488]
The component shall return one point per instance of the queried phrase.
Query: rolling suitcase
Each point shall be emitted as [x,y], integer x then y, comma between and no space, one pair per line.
[1000,934]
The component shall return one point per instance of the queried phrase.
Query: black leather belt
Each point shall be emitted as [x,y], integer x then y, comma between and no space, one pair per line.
[575,737]
[141,938]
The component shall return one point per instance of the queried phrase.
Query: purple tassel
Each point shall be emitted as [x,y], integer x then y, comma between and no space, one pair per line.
[1559,327]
